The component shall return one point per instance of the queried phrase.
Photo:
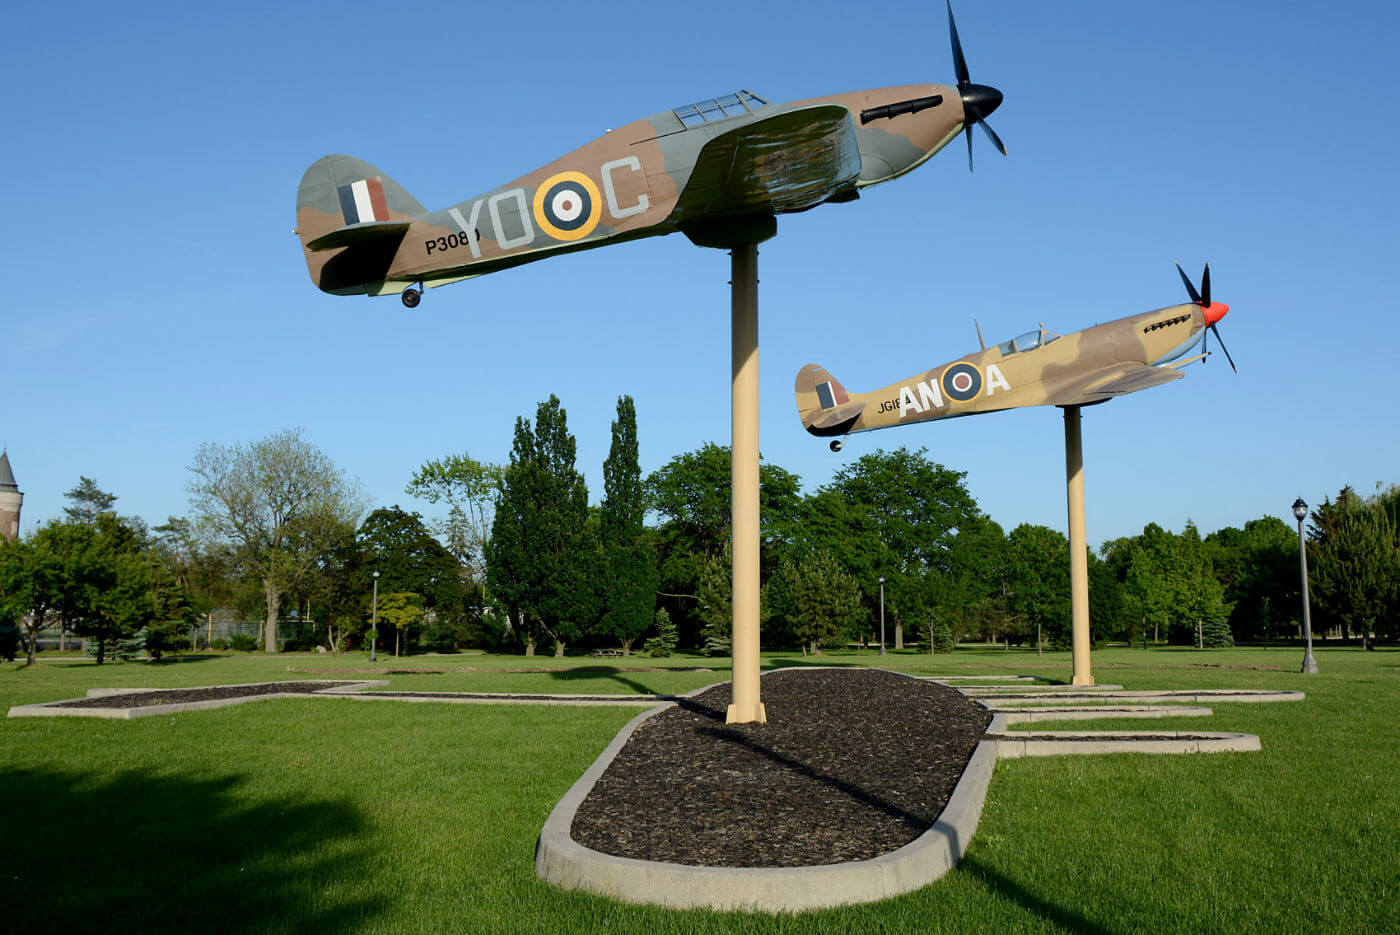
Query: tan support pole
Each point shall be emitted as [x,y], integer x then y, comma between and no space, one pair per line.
[1078,548]
[746,705]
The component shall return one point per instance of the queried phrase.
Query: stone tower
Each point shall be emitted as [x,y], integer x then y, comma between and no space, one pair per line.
[10,499]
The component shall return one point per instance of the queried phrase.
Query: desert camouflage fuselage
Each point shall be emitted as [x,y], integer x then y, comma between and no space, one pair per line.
[705,169]
[1039,368]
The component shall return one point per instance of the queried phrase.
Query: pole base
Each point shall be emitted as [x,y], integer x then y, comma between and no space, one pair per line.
[1310,666]
[1082,680]
[755,715]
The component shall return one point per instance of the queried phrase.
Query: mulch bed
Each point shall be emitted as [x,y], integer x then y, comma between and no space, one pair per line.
[183,695]
[852,764]
[512,696]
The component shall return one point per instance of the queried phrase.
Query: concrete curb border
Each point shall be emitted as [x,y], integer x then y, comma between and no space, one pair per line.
[55,708]
[1104,712]
[1184,696]
[561,860]
[1058,743]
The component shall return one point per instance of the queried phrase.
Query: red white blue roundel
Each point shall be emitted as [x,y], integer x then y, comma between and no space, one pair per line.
[962,381]
[566,206]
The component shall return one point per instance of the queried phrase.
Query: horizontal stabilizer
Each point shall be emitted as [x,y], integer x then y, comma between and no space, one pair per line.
[352,234]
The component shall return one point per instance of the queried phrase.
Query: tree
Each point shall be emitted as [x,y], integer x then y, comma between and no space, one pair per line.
[916,508]
[1039,578]
[402,609]
[88,501]
[1355,563]
[468,488]
[629,556]
[280,503]
[715,599]
[827,601]
[540,561]
[664,642]
[29,585]
[692,495]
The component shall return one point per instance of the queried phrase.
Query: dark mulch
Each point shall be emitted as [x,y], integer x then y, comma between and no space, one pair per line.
[183,695]
[853,763]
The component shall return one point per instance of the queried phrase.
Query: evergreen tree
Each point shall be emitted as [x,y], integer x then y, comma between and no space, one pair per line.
[827,601]
[664,642]
[540,559]
[88,501]
[629,556]
[1355,564]
[715,595]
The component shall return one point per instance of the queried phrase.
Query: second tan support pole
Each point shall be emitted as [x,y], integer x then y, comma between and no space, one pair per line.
[746,705]
[1078,548]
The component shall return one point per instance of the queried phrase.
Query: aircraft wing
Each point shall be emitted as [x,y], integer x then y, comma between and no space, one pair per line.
[787,162]
[1117,380]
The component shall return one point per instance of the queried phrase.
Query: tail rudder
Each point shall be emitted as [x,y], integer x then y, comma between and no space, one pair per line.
[823,404]
[350,218]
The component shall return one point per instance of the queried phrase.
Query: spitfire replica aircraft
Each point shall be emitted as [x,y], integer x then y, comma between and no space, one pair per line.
[719,171]
[1039,368]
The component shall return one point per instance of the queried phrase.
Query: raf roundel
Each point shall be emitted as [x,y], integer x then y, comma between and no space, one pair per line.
[567,206]
[962,381]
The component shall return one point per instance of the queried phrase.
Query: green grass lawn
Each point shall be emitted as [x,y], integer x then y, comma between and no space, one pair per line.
[326,816]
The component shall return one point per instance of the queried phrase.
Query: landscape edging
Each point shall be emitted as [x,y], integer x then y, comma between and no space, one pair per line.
[561,860]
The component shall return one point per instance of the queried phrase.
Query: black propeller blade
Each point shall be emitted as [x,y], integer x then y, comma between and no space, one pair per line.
[1202,299]
[1224,348]
[978,100]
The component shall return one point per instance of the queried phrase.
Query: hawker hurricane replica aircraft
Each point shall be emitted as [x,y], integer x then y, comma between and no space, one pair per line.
[1039,368]
[705,169]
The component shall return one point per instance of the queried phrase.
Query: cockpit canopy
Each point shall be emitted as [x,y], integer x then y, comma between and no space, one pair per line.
[1027,342]
[718,108]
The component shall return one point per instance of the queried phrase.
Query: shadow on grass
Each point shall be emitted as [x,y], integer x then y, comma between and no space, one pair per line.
[148,853]
[1000,885]
[602,672]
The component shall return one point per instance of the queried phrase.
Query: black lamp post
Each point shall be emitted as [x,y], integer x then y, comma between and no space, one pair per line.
[1300,511]
[882,615]
[374,619]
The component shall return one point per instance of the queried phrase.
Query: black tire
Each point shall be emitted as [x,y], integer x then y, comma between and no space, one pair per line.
[837,445]
[411,298]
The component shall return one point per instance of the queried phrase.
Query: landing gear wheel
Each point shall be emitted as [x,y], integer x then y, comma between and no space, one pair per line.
[837,445]
[411,297]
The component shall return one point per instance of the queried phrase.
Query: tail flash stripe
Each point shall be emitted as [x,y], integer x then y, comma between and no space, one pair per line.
[376,198]
[825,396]
[839,392]
[363,201]
[363,206]
[347,205]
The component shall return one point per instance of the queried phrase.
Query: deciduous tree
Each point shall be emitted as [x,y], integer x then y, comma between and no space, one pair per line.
[280,502]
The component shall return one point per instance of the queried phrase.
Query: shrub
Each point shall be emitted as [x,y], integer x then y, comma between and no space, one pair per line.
[243,642]
[218,642]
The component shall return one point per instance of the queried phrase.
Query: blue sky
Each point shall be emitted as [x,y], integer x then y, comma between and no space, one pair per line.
[157,298]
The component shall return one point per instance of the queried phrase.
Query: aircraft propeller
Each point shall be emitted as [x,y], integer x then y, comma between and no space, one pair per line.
[978,100]
[1213,311]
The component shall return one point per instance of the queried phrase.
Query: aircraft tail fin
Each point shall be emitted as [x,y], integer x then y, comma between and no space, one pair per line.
[823,404]
[351,218]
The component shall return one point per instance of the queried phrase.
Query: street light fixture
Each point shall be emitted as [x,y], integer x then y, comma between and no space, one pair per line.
[374,619]
[1300,511]
[882,615]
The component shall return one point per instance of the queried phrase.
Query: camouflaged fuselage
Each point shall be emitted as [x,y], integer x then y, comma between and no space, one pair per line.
[648,178]
[1039,369]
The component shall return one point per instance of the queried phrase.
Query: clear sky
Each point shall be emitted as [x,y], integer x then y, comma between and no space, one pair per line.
[157,298]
